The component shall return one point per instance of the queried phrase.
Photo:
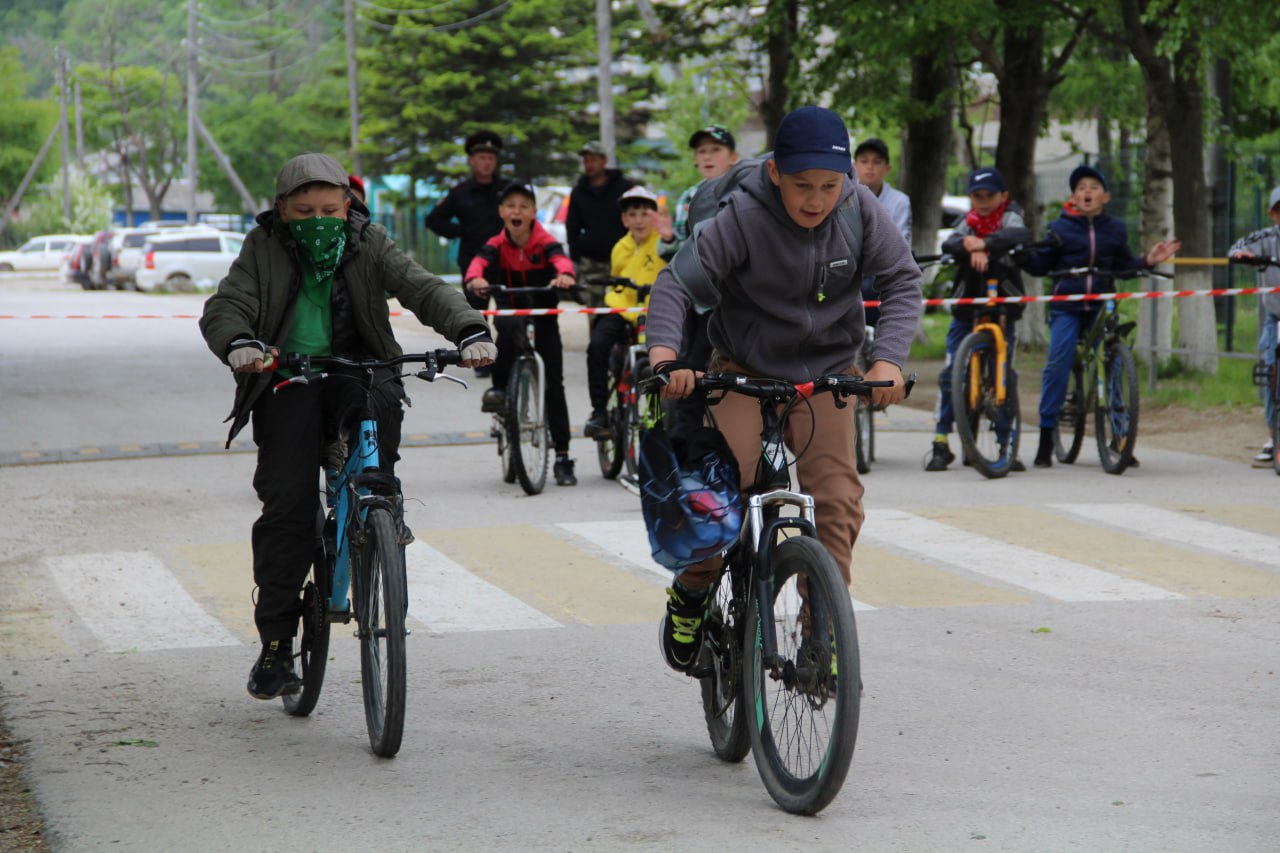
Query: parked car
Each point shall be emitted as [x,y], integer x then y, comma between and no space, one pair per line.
[39,254]
[553,207]
[954,209]
[75,267]
[127,243]
[186,260]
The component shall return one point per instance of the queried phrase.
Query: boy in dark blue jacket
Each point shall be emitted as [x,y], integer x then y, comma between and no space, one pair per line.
[1086,237]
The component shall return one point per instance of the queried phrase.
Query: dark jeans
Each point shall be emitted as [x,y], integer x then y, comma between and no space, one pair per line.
[1065,329]
[290,429]
[609,330]
[547,334]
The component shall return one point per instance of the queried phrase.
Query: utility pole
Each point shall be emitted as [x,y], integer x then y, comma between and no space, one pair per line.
[353,95]
[79,129]
[604,48]
[64,124]
[191,111]
[250,205]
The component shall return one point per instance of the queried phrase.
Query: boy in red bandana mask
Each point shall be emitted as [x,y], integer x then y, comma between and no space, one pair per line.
[994,225]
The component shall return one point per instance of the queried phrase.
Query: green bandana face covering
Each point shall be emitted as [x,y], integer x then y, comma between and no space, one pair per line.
[321,240]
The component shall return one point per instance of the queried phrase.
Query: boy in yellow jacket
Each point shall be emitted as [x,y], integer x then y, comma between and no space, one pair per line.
[636,257]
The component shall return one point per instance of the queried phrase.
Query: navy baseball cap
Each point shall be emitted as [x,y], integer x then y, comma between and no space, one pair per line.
[875,146]
[812,138]
[986,179]
[1085,171]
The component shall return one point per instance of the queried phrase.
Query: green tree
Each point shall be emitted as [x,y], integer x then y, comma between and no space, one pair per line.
[706,92]
[27,124]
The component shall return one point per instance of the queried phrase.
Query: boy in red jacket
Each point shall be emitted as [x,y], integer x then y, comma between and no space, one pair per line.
[525,255]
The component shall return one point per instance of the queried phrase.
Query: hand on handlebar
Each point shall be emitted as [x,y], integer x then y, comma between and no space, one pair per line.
[564,281]
[680,382]
[883,371]
[252,357]
[478,286]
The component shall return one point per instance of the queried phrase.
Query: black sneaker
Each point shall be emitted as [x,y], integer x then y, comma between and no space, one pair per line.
[493,400]
[1016,466]
[940,457]
[563,471]
[273,676]
[1044,454]
[597,425]
[680,631]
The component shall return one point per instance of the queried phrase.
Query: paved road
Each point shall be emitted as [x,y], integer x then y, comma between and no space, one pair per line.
[1058,661]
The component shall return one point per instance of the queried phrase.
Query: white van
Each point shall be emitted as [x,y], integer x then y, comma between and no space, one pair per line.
[127,243]
[188,260]
[39,254]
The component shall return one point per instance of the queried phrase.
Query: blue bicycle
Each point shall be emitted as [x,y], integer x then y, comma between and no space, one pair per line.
[360,551]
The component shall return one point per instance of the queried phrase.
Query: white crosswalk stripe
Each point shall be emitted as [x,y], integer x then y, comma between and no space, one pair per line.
[447,598]
[130,601]
[1045,574]
[1181,528]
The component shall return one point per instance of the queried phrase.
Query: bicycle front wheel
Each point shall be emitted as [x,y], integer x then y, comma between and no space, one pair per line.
[530,445]
[1116,414]
[381,604]
[722,702]
[802,706]
[313,633]
[1068,435]
[989,429]
[863,436]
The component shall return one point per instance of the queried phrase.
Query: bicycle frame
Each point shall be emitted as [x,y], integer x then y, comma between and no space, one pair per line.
[1002,352]
[354,499]
[1091,352]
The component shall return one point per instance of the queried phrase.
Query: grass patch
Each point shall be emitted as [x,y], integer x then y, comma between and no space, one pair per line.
[1231,387]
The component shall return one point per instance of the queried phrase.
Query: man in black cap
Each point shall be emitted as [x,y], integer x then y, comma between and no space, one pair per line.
[593,226]
[469,212]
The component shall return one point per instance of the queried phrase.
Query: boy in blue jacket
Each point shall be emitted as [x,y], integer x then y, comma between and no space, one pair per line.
[1086,237]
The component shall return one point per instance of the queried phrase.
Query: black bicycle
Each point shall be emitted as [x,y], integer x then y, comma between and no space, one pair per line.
[1267,376]
[779,669]
[628,364]
[520,426]
[1104,382]
[359,549]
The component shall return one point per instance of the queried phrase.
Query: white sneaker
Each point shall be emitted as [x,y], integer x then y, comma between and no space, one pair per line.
[1266,456]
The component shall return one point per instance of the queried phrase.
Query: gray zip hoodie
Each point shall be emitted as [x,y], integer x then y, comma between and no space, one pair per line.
[790,298]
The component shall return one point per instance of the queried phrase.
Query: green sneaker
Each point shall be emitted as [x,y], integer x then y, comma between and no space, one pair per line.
[680,632]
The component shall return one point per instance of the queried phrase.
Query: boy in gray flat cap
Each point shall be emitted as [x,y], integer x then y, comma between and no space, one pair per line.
[312,278]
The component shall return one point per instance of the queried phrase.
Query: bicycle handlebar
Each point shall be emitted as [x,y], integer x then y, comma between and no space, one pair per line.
[1259,261]
[780,390]
[1075,271]
[303,364]
[503,290]
[620,283]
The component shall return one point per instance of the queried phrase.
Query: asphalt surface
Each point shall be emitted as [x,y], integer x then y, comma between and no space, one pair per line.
[1061,660]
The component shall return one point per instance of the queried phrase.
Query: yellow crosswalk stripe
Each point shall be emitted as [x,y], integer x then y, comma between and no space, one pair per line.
[553,575]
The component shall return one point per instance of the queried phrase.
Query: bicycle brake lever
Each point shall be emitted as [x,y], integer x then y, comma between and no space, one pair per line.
[908,385]
[443,375]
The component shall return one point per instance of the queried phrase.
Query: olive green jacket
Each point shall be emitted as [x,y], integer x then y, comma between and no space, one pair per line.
[256,298]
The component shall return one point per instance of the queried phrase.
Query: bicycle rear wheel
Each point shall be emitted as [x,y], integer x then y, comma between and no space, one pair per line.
[802,708]
[609,450]
[530,445]
[989,430]
[313,630]
[381,603]
[864,436]
[1068,435]
[1116,415]
[722,702]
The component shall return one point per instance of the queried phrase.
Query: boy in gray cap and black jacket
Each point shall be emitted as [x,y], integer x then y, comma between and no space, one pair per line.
[312,278]
[788,287]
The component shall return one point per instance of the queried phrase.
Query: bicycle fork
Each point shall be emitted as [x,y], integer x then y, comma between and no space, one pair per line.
[764,535]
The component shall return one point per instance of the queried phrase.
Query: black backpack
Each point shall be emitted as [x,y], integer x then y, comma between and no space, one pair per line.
[709,199]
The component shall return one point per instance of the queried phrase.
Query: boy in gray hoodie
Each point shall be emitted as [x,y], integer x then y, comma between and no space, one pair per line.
[788,305]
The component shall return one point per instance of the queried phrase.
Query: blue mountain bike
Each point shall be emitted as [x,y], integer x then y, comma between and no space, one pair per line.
[360,551]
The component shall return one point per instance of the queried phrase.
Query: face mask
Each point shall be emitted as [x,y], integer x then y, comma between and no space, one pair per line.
[321,240]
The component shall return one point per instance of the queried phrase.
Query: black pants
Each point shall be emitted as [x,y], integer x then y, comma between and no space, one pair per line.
[291,429]
[609,331]
[547,334]
[687,413]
